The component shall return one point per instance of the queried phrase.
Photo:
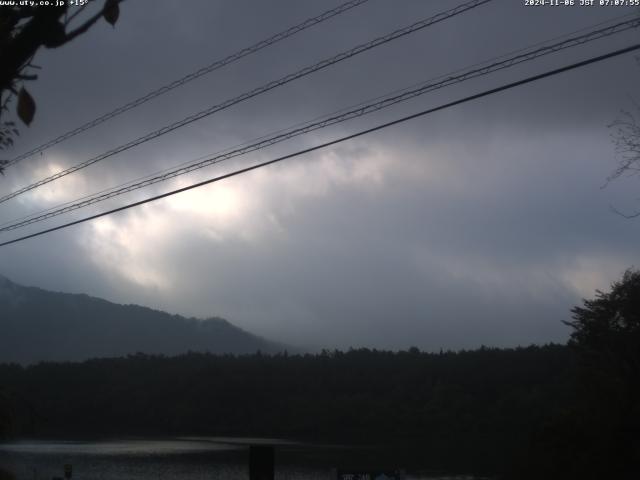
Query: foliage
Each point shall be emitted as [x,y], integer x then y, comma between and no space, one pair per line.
[625,133]
[626,137]
[553,412]
[598,436]
[23,30]
[608,326]
[4,475]
[467,410]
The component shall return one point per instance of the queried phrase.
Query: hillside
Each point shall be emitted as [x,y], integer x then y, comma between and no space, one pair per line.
[39,325]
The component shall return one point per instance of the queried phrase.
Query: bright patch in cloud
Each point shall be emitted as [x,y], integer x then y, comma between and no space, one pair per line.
[249,208]
[590,273]
[62,190]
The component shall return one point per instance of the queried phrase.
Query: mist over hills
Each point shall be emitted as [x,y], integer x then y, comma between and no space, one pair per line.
[40,325]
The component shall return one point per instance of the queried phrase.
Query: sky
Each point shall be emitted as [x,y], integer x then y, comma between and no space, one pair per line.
[482,224]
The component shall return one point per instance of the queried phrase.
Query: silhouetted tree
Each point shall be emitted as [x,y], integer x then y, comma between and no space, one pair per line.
[626,137]
[4,475]
[23,30]
[5,414]
[608,326]
[470,410]
[606,336]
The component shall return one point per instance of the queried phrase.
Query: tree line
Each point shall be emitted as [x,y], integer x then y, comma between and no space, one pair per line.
[553,411]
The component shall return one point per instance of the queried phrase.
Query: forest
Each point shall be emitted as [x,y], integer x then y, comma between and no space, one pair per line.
[484,402]
[553,411]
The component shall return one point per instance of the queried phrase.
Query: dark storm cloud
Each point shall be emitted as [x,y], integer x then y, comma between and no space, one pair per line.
[480,224]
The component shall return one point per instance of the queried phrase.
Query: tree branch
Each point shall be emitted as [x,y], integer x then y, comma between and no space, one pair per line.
[625,215]
[75,14]
[87,24]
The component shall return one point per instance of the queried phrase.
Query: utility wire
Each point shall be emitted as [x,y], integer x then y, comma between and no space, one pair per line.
[359,111]
[338,140]
[188,167]
[310,22]
[344,109]
[258,91]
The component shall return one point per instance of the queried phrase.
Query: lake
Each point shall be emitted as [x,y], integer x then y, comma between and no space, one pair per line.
[198,458]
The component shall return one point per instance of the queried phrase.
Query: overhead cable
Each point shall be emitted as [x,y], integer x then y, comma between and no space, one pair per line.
[257,91]
[310,22]
[359,111]
[336,141]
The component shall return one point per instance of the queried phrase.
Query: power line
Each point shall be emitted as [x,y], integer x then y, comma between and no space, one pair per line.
[310,22]
[336,141]
[258,91]
[344,109]
[360,110]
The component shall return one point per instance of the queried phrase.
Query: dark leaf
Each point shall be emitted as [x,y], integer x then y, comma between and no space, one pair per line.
[54,36]
[26,106]
[111,11]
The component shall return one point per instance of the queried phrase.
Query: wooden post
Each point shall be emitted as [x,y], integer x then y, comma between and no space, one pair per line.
[261,464]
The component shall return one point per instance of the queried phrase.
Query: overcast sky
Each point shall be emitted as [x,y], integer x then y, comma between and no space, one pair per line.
[481,224]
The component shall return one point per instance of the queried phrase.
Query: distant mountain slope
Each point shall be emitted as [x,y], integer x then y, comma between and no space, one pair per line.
[37,325]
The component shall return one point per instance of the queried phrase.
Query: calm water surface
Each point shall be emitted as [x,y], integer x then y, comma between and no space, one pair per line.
[194,458]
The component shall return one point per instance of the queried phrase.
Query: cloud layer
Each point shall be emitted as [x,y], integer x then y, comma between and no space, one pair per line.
[481,224]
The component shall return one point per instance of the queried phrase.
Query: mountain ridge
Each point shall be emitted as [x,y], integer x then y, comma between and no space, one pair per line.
[41,325]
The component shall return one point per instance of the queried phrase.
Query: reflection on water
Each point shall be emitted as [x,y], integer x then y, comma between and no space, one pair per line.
[131,447]
[192,458]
